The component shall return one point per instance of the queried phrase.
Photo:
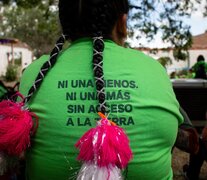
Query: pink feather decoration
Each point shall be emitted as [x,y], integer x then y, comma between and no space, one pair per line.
[16,126]
[106,144]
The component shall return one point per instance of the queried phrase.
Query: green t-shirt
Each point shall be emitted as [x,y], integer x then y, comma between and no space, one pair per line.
[140,99]
[199,63]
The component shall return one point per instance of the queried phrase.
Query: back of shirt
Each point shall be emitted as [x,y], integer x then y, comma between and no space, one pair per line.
[139,97]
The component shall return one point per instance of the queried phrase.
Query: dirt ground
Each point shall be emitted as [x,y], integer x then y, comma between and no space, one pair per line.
[179,159]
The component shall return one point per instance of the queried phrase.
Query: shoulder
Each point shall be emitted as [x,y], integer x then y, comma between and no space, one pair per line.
[30,73]
[35,66]
[139,58]
[131,53]
[36,63]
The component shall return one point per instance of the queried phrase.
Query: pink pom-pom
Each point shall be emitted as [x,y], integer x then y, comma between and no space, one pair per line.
[106,144]
[16,126]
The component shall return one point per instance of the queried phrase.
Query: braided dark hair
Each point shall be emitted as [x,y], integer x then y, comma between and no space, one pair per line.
[96,19]
[81,18]
[46,67]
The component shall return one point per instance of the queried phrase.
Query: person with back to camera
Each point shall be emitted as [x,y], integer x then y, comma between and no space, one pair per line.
[200,68]
[133,91]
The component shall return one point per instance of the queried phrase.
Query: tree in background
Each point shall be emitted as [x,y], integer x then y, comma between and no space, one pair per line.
[164,18]
[36,22]
[165,61]
[33,22]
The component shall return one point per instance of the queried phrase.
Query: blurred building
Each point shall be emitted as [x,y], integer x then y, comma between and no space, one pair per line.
[13,51]
[199,47]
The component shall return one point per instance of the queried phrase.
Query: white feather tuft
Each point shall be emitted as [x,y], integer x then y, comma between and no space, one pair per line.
[90,171]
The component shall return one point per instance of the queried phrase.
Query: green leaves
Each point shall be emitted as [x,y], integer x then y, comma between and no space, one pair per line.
[150,18]
[165,61]
[37,26]
[28,3]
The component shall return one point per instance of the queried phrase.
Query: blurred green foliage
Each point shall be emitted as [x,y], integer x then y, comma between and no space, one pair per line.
[165,61]
[36,25]
[11,73]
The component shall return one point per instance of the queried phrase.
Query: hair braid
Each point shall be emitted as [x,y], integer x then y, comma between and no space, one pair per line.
[98,48]
[46,67]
